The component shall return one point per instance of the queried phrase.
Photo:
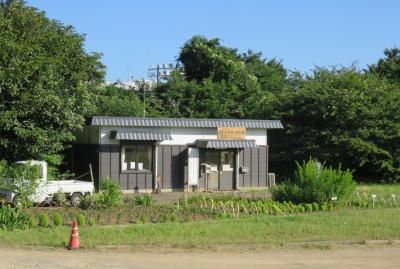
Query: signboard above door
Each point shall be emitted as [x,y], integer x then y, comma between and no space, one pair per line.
[231,133]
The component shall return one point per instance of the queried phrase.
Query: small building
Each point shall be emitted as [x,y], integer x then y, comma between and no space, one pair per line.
[203,154]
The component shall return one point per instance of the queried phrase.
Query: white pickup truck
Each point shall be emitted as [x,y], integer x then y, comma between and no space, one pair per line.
[46,190]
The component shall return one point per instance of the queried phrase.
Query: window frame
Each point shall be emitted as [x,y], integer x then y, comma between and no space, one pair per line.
[135,144]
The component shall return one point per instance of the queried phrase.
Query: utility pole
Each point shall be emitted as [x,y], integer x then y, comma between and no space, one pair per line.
[161,71]
[144,101]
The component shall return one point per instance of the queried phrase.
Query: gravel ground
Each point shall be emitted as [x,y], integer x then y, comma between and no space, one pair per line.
[348,257]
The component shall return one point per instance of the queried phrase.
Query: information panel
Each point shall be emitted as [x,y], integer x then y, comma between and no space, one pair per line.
[231,133]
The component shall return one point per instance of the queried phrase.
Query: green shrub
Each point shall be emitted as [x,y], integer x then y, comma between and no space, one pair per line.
[324,206]
[300,209]
[32,222]
[174,217]
[13,218]
[164,218]
[145,199]
[57,219]
[60,198]
[91,222]
[90,201]
[81,219]
[25,181]
[308,207]
[315,207]
[111,194]
[315,183]
[144,218]
[43,220]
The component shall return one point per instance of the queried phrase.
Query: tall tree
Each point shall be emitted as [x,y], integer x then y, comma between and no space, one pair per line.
[342,117]
[206,58]
[45,75]
[271,74]
[218,83]
[388,67]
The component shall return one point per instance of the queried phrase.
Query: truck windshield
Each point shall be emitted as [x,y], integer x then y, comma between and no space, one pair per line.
[33,167]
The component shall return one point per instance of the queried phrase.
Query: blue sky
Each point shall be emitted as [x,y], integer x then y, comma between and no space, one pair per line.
[302,33]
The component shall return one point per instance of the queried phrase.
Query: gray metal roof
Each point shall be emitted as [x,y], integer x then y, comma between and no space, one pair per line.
[184,122]
[156,136]
[226,144]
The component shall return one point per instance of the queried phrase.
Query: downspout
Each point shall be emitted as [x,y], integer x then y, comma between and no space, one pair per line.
[155,167]
[237,170]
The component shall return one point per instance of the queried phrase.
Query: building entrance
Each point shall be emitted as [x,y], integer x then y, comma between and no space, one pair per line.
[222,169]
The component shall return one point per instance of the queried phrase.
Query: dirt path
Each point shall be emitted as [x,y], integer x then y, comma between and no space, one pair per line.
[348,257]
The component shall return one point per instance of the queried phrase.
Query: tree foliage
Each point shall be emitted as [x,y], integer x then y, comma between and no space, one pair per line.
[220,83]
[388,67]
[22,179]
[45,75]
[342,117]
[113,101]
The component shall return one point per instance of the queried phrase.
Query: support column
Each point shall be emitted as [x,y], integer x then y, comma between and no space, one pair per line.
[155,174]
[237,162]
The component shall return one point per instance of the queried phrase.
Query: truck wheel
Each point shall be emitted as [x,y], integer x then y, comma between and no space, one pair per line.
[76,198]
[16,201]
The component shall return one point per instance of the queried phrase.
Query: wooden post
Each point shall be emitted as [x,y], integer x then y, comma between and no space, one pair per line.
[91,175]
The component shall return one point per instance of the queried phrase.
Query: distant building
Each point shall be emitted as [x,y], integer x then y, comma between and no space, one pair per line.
[132,84]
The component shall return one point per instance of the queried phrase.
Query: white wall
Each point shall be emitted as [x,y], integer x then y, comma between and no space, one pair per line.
[181,136]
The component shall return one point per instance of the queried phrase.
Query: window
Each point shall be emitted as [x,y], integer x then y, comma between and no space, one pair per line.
[136,156]
[220,160]
[227,160]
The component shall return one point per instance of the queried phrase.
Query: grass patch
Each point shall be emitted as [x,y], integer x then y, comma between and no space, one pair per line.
[357,225]
[380,189]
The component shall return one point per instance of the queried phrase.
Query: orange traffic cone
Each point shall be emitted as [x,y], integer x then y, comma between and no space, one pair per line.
[74,241]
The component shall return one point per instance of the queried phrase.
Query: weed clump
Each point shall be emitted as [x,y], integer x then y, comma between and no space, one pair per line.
[32,222]
[57,219]
[13,218]
[144,218]
[81,220]
[314,182]
[43,220]
[174,217]
[91,222]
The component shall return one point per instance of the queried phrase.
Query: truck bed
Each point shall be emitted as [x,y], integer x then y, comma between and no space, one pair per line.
[69,186]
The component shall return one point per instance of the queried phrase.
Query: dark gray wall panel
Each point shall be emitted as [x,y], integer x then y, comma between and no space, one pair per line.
[141,181]
[114,162]
[267,147]
[166,180]
[132,182]
[80,156]
[123,181]
[254,168]
[202,178]
[149,181]
[105,170]
[184,171]
[176,168]
[262,166]
[247,163]
[160,161]
[241,176]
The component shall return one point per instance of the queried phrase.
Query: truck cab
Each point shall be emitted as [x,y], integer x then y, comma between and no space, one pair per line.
[46,190]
